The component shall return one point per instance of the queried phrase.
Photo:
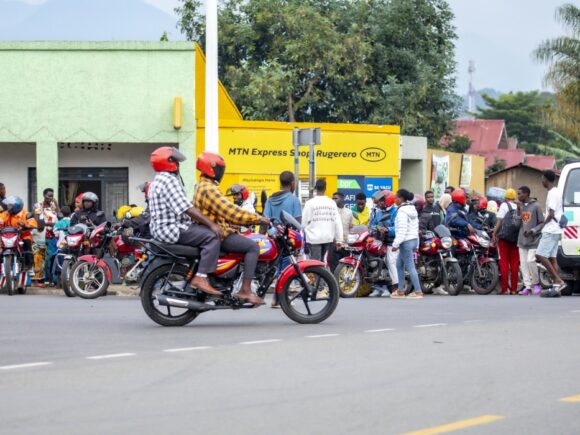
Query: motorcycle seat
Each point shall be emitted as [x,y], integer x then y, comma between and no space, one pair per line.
[179,250]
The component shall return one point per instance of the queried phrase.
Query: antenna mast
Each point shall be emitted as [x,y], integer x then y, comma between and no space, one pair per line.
[471,95]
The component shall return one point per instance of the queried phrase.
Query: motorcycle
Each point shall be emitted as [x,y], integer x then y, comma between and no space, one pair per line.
[366,262]
[308,292]
[13,274]
[75,244]
[92,274]
[479,270]
[435,263]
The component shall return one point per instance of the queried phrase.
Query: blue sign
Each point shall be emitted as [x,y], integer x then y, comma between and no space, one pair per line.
[374,184]
[350,186]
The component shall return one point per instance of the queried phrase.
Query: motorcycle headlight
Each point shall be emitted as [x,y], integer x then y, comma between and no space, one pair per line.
[9,242]
[446,242]
[483,242]
[352,238]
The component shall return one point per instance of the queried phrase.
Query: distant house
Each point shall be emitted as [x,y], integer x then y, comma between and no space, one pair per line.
[490,139]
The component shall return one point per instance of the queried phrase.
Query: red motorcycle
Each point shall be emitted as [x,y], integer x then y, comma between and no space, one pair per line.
[480,271]
[13,274]
[307,291]
[75,244]
[367,262]
[112,261]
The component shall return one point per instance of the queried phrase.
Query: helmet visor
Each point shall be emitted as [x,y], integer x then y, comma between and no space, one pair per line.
[177,155]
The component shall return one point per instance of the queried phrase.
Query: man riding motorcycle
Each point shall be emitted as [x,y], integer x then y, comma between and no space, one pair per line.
[15,216]
[89,212]
[214,204]
[456,218]
[174,219]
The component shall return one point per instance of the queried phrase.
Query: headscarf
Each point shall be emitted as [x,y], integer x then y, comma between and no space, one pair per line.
[492,207]
[445,201]
[510,195]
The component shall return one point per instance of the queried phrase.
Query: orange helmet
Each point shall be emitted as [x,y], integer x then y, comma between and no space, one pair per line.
[458,196]
[419,202]
[211,165]
[166,159]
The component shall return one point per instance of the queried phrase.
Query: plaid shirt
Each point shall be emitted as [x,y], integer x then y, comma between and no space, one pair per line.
[167,205]
[213,204]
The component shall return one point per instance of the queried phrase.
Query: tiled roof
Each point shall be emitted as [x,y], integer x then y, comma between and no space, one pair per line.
[487,134]
[540,162]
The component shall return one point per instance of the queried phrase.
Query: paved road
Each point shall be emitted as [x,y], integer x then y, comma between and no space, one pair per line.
[495,364]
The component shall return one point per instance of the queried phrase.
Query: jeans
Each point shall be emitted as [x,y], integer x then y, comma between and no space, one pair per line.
[406,260]
[318,252]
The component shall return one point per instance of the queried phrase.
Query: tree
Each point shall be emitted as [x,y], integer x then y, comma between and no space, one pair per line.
[458,144]
[562,55]
[164,37]
[333,61]
[497,166]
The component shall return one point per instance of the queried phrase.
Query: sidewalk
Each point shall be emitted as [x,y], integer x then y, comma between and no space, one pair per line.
[114,290]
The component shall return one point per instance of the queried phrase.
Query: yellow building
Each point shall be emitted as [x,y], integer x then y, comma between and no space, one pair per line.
[351,157]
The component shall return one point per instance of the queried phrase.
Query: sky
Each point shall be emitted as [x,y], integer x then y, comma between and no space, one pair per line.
[499,35]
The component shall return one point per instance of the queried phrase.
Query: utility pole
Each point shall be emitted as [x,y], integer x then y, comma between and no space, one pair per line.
[211,77]
[472,94]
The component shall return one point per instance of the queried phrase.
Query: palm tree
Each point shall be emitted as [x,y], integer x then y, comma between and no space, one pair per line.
[562,55]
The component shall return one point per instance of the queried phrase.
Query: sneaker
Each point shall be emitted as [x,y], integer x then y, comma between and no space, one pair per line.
[536,290]
[415,295]
[525,292]
[377,293]
[550,293]
[439,291]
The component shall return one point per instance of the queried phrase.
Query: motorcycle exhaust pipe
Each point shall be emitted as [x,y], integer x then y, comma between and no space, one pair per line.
[168,301]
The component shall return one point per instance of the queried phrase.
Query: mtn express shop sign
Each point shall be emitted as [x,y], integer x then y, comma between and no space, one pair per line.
[260,151]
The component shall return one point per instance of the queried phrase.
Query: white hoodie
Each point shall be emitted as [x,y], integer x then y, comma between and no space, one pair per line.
[406,224]
[321,221]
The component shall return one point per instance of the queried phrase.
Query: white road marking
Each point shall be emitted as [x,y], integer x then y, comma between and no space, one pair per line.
[272,340]
[472,321]
[430,325]
[322,335]
[24,366]
[370,331]
[186,349]
[113,355]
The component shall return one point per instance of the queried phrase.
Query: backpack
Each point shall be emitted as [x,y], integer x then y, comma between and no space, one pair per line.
[510,226]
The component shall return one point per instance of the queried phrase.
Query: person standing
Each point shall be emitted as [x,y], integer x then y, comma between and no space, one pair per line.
[347,220]
[283,200]
[531,216]
[407,242]
[46,213]
[505,234]
[547,252]
[322,223]
[361,210]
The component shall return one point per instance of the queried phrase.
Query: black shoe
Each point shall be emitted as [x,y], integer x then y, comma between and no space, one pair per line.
[550,293]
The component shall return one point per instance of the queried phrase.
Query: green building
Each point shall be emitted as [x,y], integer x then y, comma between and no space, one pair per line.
[85,116]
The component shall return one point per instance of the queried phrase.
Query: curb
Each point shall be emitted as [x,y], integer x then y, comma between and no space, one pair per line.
[117,290]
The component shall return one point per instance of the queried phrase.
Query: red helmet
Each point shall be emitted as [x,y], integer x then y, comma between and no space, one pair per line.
[239,189]
[458,196]
[211,165]
[166,159]
[390,199]
[419,202]
[483,203]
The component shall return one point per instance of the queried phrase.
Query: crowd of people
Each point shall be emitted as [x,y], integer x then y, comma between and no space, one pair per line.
[214,222]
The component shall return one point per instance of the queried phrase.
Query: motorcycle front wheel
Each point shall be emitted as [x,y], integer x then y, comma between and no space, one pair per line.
[348,284]
[9,276]
[453,279]
[301,306]
[484,280]
[88,280]
[154,284]
[65,278]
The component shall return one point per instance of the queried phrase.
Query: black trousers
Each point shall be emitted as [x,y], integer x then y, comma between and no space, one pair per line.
[207,241]
[237,244]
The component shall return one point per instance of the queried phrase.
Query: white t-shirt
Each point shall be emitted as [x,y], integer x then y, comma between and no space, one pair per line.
[504,209]
[553,202]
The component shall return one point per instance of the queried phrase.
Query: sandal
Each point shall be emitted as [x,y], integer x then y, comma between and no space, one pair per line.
[253,299]
[415,295]
[397,294]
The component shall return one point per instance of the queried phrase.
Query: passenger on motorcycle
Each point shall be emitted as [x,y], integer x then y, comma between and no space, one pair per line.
[386,206]
[174,219]
[89,213]
[456,218]
[15,216]
[487,218]
[214,204]
[242,198]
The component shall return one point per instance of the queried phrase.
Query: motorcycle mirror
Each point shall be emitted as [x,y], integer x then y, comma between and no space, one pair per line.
[100,213]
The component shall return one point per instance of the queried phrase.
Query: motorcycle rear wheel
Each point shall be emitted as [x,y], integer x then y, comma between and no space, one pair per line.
[486,282]
[453,279]
[348,287]
[10,284]
[88,280]
[152,286]
[65,279]
[294,296]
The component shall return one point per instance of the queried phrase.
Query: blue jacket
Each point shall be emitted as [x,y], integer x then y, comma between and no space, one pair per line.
[390,222]
[282,201]
[456,220]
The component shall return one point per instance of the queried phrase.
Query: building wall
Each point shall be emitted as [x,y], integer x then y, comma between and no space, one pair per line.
[15,160]
[517,177]
[114,92]
[455,159]
[413,163]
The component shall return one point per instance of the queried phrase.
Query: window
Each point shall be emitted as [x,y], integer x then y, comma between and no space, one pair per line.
[572,188]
